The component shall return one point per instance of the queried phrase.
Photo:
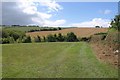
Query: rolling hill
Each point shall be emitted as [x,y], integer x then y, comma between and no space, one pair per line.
[80,32]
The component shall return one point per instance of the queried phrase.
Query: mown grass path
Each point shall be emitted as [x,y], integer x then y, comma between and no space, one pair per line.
[53,60]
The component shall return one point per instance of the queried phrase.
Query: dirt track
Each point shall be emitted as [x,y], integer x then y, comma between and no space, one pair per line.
[80,32]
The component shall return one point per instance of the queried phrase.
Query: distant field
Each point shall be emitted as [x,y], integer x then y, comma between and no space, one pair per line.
[23,29]
[50,60]
[80,32]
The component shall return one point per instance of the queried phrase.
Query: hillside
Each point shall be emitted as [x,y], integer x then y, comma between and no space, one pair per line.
[80,32]
[111,45]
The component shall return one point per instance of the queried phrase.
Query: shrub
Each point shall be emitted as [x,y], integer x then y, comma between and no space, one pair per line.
[26,39]
[115,23]
[60,37]
[71,37]
[5,40]
[51,38]
[37,39]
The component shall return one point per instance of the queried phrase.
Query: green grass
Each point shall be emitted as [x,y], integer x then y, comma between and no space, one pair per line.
[23,29]
[53,60]
[112,30]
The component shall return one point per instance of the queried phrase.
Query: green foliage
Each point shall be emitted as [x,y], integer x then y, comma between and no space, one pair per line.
[59,28]
[5,40]
[12,36]
[86,39]
[101,33]
[19,40]
[26,39]
[60,38]
[71,37]
[11,39]
[97,26]
[5,33]
[12,33]
[115,23]
[0,40]
[51,38]
[37,39]
[44,39]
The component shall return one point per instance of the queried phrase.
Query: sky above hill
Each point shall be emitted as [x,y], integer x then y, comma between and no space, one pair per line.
[52,13]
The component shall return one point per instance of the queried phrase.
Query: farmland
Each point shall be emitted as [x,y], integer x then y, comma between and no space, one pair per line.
[53,60]
[80,32]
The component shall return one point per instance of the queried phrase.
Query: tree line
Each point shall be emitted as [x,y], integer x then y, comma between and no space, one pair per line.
[13,36]
[45,29]
[70,37]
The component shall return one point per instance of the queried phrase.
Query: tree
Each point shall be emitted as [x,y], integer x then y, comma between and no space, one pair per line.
[71,37]
[37,39]
[60,37]
[26,39]
[11,39]
[97,26]
[4,34]
[19,40]
[44,39]
[51,38]
[115,23]
[5,41]
[59,28]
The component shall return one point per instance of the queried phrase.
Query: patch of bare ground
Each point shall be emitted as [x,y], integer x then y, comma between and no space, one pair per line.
[107,50]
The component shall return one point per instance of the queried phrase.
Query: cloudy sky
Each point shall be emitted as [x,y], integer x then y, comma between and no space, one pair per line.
[51,13]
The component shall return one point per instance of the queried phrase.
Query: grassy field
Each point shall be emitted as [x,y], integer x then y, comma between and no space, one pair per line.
[53,60]
[23,29]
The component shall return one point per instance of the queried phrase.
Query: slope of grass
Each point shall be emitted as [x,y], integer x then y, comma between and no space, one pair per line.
[111,30]
[50,60]
[23,29]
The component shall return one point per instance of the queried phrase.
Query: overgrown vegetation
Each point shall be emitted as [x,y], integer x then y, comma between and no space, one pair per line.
[70,37]
[115,23]
[106,45]
[14,36]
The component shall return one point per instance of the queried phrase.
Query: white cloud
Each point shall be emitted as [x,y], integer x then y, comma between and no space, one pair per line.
[55,23]
[107,11]
[94,22]
[51,5]
[26,12]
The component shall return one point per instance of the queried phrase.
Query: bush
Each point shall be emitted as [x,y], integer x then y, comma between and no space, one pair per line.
[86,39]
[37,39]
[12,33]
[97,26]
[115,23]
[51,38]
[26,39]
[5,41]
[60,38]
[11,39]
[19,40]
[101,33]
[44,39]
[71,37]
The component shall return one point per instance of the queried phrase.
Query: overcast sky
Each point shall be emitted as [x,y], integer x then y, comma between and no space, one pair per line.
[51,13]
